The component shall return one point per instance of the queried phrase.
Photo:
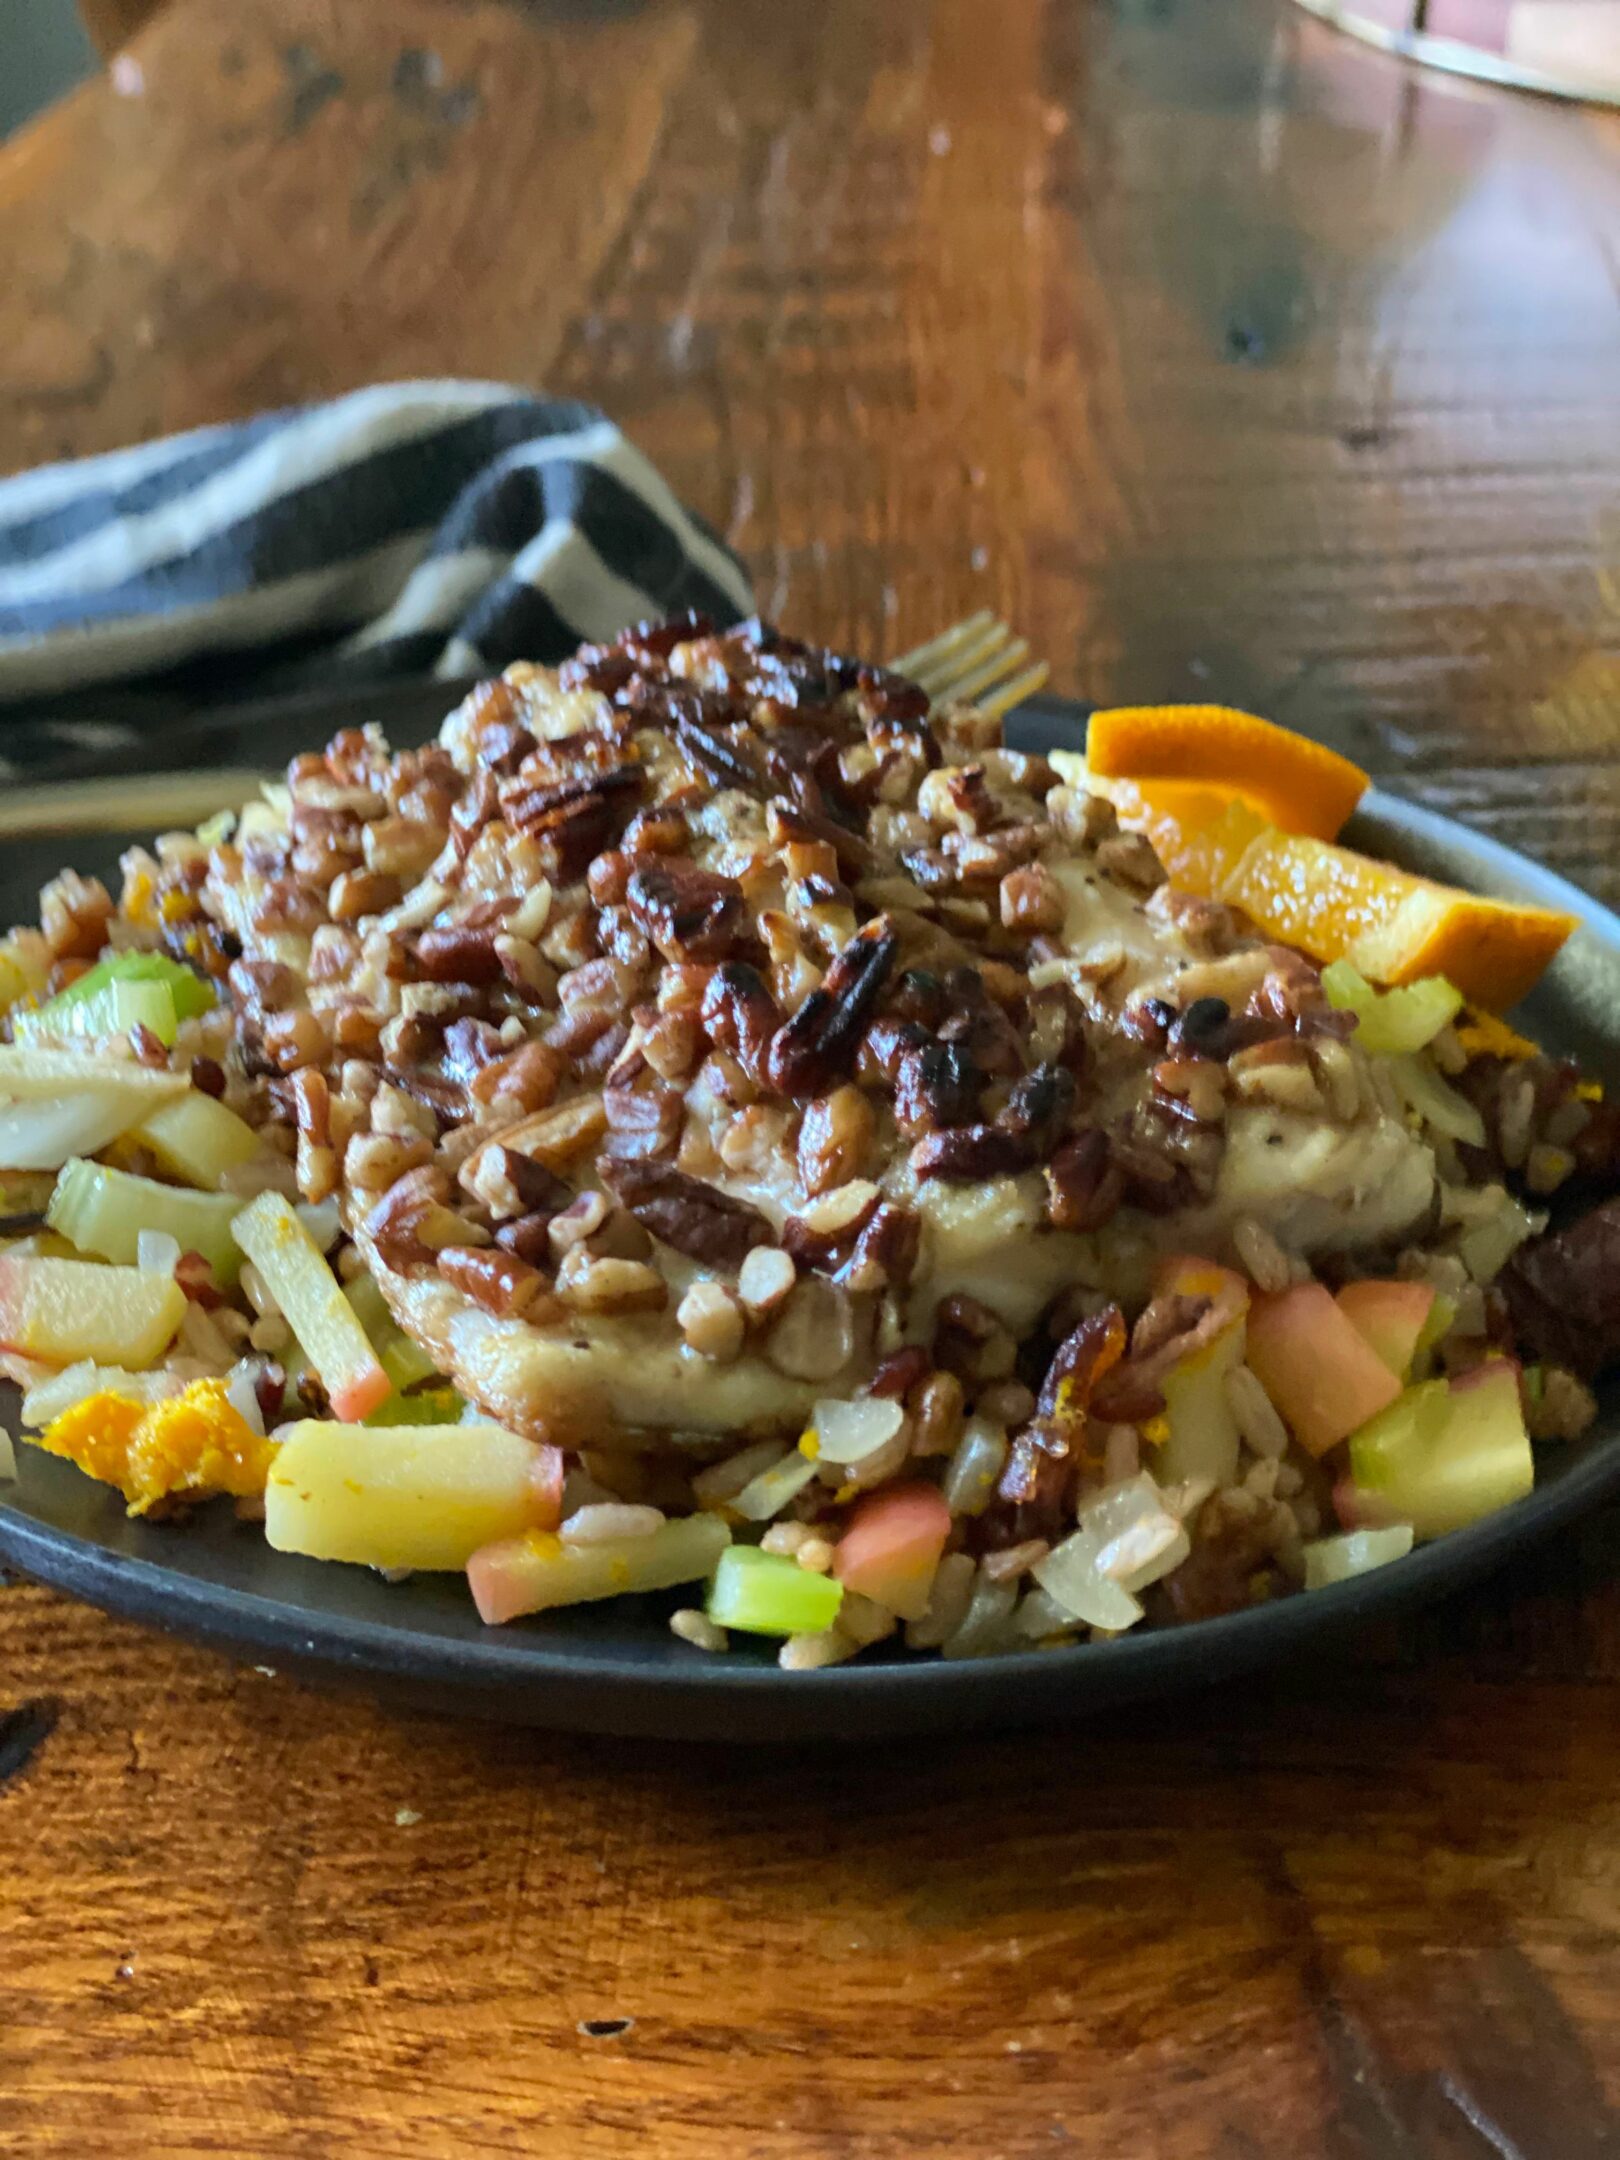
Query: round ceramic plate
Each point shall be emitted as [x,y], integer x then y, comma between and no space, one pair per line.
[615,1667]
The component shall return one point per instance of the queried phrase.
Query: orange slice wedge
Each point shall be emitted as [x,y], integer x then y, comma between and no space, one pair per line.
[1199,833]
[1394,927]
[1296,783]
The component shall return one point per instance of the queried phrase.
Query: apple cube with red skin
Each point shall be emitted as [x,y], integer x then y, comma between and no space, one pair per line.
[1443,1455]
[1392,1317]
[537,1570]
[313,1305]
[890,1552]
[1318,1368]
[64,1310]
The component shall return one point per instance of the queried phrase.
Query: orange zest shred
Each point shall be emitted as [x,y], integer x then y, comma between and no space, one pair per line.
[1293,782]
[196,1442]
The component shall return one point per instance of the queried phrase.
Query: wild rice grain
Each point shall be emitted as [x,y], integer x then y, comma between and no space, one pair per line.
[1264,1432]
[1268,1266]
[698,1629]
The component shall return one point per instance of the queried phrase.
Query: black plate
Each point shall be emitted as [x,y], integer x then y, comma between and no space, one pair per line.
[615,1668]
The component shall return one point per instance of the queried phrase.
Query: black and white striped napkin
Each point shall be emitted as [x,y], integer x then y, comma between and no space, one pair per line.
[411,529]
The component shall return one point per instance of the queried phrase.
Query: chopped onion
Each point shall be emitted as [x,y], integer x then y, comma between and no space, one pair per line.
[847,1432]
[1041,1615]
[980,1457]
[1138,1539]
[722,1481]
[8,1458]
[1421,1088]
[156,1253]
[242,1394]
[1336,1559]
[984,1629]
[322,1220]
[1071,1576]
[604,1522]
[767,1495]
[42,1404]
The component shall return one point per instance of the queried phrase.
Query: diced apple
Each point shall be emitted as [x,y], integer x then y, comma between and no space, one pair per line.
[199,1140]
[1203,1439]
[537,1570]
[1391,1316]
[1320,1371]
[891,1550]
[1443,1454]
[70,1309]
[313,1304]
[406,1496]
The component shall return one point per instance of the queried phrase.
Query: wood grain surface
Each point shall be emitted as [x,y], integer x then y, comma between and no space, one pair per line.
[1232,360]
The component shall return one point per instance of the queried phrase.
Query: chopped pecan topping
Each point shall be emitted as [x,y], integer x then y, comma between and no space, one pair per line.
[1084,1185]
[458,955]
[644,1124]
[818,1044]
[937,1085]
[965,1152]
[739,1015]
[696,1218]
[690,914]
[497,1281]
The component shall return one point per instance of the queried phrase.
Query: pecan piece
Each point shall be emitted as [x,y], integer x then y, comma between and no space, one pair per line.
[458,955]
[689,913]
[697,1219]
[739,1015]
[644,1124]
[498,1282]
[885,1251]
[1084,1185]
[937,1085]
[972,1151]
[818,1044]
[1038,1105]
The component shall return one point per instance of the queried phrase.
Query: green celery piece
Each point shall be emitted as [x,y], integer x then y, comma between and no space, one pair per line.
[767,1594]
[190,993]
[1441,1314]
[1392,1023]
[103,1211]
[432,1406]
[404,1361]
[113,1009]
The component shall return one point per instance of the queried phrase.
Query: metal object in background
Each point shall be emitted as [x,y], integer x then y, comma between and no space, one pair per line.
[1560,48]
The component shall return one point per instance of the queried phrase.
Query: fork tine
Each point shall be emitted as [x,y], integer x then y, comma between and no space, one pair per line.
[944,677]
[1014,692]
[937,648]
[1005,662]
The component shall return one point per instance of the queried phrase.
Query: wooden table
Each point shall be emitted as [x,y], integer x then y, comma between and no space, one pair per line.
[1230,360]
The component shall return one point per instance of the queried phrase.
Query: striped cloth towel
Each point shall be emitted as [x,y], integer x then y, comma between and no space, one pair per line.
[417,528]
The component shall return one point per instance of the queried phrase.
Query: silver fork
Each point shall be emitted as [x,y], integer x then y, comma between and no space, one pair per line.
[978,661]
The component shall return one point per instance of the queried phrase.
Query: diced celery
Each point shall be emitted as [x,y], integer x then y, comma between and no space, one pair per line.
[199,1140]
[1336,1559]
[112,1010]
[405,1362]
[1445,1454]
[1441,1315]
[1394,1022]
[432,1406]
[104,1211]
[767,1594]
[188,992]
